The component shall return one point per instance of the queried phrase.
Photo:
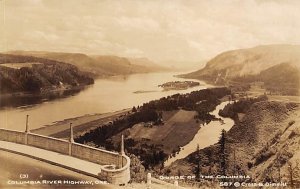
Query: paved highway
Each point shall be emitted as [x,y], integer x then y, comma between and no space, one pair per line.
[18,171]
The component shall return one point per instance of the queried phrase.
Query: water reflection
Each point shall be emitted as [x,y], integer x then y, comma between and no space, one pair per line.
[106,95]
[26,99]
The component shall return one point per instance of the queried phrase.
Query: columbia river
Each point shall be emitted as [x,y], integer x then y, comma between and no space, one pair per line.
[106,95]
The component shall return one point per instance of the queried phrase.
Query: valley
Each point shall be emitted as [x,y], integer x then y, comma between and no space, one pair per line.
[165,129]
[33,77]
[152,130]
[264,117]
[150,94]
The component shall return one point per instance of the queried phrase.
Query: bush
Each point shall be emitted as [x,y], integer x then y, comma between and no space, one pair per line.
[291,123]
[264,156]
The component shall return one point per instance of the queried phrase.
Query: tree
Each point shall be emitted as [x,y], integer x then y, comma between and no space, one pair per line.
[223,152]
[178,172]
[134,109]
[198,168]
[293,173]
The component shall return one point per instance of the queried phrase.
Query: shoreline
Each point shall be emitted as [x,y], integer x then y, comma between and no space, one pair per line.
[84,123]
[43,93]
[207,134]
[24,99]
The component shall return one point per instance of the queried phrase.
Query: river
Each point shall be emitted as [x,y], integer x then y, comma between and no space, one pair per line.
[106,95]
[206,136]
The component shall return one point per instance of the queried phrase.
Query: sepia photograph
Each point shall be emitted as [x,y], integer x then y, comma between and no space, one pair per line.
[149,94]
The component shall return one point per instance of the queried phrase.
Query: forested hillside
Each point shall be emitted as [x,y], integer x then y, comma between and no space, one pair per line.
[32,74]
[98,65]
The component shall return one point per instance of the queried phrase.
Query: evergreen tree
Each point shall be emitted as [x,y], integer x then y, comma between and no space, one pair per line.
[198,168]
[222,152]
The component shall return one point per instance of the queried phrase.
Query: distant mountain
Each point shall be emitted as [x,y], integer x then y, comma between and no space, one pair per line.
[185,66]
[278,66]
[98,65]
[31,74]
[148,63]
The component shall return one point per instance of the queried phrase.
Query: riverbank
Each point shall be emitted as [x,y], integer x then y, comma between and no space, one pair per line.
[23,99]
[153,129]
[207,135]
[271,131]
[106,95]
[80,124]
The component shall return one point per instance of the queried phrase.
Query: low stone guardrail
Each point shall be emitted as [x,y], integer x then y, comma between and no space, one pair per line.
[116,166]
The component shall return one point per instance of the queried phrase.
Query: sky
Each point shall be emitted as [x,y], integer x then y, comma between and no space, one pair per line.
[162,30]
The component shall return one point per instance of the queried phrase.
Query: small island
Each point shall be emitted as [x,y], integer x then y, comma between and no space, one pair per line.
[143,91]
[179,85]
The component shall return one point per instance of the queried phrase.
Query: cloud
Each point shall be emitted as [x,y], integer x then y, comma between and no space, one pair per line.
[161,30]
[140,24]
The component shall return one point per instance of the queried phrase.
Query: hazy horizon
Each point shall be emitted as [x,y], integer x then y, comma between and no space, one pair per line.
[163,31]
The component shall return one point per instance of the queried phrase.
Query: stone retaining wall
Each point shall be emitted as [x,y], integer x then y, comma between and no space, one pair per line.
[12,136]
[48,143]
[95,155]
[119,175]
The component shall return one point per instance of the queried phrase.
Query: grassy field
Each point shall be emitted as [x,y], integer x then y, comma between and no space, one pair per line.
[178,129]
[258,90]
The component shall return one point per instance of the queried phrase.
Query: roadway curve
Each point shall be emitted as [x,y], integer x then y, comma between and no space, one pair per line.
[12,165]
